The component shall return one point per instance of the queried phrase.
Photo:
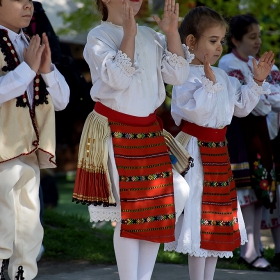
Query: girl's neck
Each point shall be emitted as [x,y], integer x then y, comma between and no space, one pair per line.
[115,19]
[240,56]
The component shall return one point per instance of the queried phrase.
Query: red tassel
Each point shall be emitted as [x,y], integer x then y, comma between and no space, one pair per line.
[91,188]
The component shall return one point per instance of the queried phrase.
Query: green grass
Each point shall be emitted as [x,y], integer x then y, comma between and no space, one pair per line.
[70,236]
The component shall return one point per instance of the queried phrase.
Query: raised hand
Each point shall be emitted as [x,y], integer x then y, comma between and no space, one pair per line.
[33,54]
[263,68]
[45,66]
[170,18]
[209,73]
[129,23]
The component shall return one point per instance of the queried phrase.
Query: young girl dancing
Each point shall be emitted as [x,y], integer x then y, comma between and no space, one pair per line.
[244,43]
[212,225]
[129,65]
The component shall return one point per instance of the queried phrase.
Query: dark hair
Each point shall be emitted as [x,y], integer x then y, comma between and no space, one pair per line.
[197,20]
[238,27]
[102,9]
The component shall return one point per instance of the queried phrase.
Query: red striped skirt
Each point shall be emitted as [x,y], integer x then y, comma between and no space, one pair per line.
[219,222]
[145,176]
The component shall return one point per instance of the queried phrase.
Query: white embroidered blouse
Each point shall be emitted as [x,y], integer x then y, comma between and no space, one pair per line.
[133,88]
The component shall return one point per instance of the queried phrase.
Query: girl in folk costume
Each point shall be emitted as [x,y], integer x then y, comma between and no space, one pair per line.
[254,168]
[124,162]
[212,225]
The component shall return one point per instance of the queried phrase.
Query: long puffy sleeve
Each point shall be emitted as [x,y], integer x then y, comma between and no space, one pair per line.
[174,68]
[112,66]
[200,101]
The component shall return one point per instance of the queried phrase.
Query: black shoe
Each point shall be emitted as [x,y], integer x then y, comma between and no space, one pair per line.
[2,276]
[276,260]
[251,266]
[20,273]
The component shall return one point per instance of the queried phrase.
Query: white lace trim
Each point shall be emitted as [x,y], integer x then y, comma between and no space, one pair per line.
[189,56]
[99,214]
[173,246]
[124,62]
[263,89]
[175,60]
[210,87]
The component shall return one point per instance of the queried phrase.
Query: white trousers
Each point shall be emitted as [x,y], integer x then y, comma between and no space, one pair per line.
[21,232]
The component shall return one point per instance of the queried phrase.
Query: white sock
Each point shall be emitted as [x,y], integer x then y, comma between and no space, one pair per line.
[135,258]
[252,215]
[276,238]
[196,267]
[210,267]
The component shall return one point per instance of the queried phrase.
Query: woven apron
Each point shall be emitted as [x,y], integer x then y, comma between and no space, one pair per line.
[219,223]
[145,176]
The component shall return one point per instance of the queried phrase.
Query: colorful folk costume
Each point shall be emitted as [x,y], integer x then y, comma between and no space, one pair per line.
[253,168]
[212,224]
[27,143]
[124,169]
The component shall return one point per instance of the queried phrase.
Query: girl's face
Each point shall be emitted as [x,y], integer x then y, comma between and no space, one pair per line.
[115,6]
[250,43]
[210,43]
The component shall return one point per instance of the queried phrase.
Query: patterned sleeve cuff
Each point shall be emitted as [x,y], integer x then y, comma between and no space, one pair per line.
[175,60]
[210,87]
[263,89]
[124,62]
[189,56]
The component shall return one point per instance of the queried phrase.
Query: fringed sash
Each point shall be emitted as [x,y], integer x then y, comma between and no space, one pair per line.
[145,176]
[219,223]
[92,184]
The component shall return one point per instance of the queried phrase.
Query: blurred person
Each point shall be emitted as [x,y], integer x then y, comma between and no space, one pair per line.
[249,141]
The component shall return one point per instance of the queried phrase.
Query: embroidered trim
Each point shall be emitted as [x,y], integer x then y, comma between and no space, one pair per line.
[174,59]
[238,75]
[211,144]
[219,184]
[189,56]
[124,62]
[120,135]
[148,219]
[210,87]
[150,177]
[219,223]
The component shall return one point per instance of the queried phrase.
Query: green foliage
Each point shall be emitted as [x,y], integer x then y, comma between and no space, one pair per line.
[266,11]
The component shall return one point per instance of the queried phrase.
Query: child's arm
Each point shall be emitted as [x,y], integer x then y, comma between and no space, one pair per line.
[130,30]
[45,65]
[32,55]
[169,25]
[15,83]
[55,82]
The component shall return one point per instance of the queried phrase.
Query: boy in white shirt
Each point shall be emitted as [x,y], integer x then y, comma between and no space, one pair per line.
[31,88]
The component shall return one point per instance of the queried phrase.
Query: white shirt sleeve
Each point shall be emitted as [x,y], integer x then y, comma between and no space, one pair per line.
[175,69]
[57,88]
[247,96]
[15,82]
[112,66]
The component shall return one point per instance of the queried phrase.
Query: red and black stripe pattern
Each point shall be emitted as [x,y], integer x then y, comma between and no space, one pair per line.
[145,177]
[219,222]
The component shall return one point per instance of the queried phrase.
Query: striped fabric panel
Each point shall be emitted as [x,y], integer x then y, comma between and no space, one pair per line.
[146,182]
[219,223]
